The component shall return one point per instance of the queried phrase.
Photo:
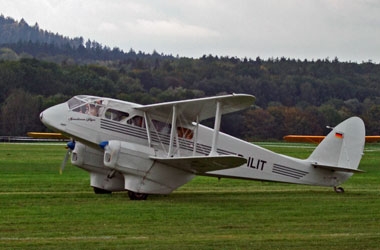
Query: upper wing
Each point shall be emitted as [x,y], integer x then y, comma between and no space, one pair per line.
[203,164]
[204,108]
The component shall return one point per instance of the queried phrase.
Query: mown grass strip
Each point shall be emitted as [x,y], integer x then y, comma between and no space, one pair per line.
[40,209]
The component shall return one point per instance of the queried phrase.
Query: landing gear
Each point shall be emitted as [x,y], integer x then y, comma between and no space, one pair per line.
[101,191]
[137,196]
[338,189]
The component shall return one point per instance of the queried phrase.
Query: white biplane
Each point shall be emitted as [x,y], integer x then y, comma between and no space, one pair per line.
[154,149]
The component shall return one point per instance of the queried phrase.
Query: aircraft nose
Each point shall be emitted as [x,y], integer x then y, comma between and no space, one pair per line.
[55,117]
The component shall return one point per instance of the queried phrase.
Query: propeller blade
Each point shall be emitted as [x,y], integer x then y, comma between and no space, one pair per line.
[68,152]
[70,147]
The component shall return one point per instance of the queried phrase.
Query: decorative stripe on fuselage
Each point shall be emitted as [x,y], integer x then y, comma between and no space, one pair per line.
[140,133]
[287,171]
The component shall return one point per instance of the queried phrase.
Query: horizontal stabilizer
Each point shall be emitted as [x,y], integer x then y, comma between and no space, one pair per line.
[334,168]
[319,138]
[203,164]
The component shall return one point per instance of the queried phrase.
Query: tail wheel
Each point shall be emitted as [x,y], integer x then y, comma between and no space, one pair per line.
[137,196]
[338,190]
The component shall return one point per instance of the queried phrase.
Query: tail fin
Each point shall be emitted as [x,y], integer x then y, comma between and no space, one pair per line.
[342,148]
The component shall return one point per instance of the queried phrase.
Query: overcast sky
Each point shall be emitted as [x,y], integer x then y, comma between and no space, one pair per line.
[311,29]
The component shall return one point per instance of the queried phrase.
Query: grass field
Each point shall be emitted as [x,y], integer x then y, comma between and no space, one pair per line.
[40,209]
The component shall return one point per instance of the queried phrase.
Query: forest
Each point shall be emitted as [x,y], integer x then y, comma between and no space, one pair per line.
[292,96]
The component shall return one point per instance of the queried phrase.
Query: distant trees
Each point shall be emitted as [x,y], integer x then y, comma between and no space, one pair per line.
[12,31]
[277,121]
[288,102]
[31,40]
[293,96]
[20,113]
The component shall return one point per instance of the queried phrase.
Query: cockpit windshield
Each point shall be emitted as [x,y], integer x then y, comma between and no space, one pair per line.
[75,102]
[86,104]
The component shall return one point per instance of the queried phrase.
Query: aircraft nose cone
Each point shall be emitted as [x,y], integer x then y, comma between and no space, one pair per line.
[54,117]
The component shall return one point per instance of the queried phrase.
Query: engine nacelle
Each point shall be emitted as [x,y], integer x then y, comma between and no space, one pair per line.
[87,158]
[91,160]
[131,158]
[141,173]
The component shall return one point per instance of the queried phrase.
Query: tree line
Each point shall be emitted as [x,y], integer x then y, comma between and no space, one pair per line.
[30,41]
[39,69]
[292,96]
[12,31]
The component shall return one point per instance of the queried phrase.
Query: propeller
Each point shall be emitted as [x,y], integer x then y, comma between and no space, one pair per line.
[70,147]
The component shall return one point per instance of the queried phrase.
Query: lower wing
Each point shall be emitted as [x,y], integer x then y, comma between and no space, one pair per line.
[203,164]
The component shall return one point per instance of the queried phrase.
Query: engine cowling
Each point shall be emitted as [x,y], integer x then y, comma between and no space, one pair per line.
[141,173]
[91,160]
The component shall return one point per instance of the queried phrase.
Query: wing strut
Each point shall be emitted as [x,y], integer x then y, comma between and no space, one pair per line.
[173,131]
[215,136]
[196,136]
[147,129]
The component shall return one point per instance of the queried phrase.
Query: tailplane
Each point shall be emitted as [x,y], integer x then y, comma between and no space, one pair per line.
[342,148]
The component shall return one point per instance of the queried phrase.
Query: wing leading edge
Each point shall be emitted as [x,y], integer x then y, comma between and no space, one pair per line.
[203,164]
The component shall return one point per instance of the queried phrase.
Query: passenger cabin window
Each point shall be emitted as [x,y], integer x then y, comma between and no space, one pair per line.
[137,120]
[185,133]
[116,115]
[161,127]
[165,128]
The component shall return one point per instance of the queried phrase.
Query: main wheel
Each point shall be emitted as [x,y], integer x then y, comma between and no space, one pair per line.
[338,190]
[101,191]
[137,196]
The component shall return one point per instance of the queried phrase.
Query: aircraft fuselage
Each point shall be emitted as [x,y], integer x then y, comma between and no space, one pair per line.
[92,120]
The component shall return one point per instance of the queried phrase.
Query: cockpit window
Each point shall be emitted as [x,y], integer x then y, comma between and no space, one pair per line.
[75,102]
[86,105]
[93,108]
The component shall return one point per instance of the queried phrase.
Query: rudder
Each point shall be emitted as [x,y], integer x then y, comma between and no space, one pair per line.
[342,148]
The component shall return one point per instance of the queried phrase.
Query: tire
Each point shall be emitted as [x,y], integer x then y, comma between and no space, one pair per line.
[338,190]
[137,196]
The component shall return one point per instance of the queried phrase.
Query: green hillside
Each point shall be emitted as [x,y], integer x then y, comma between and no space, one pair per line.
[293,96]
